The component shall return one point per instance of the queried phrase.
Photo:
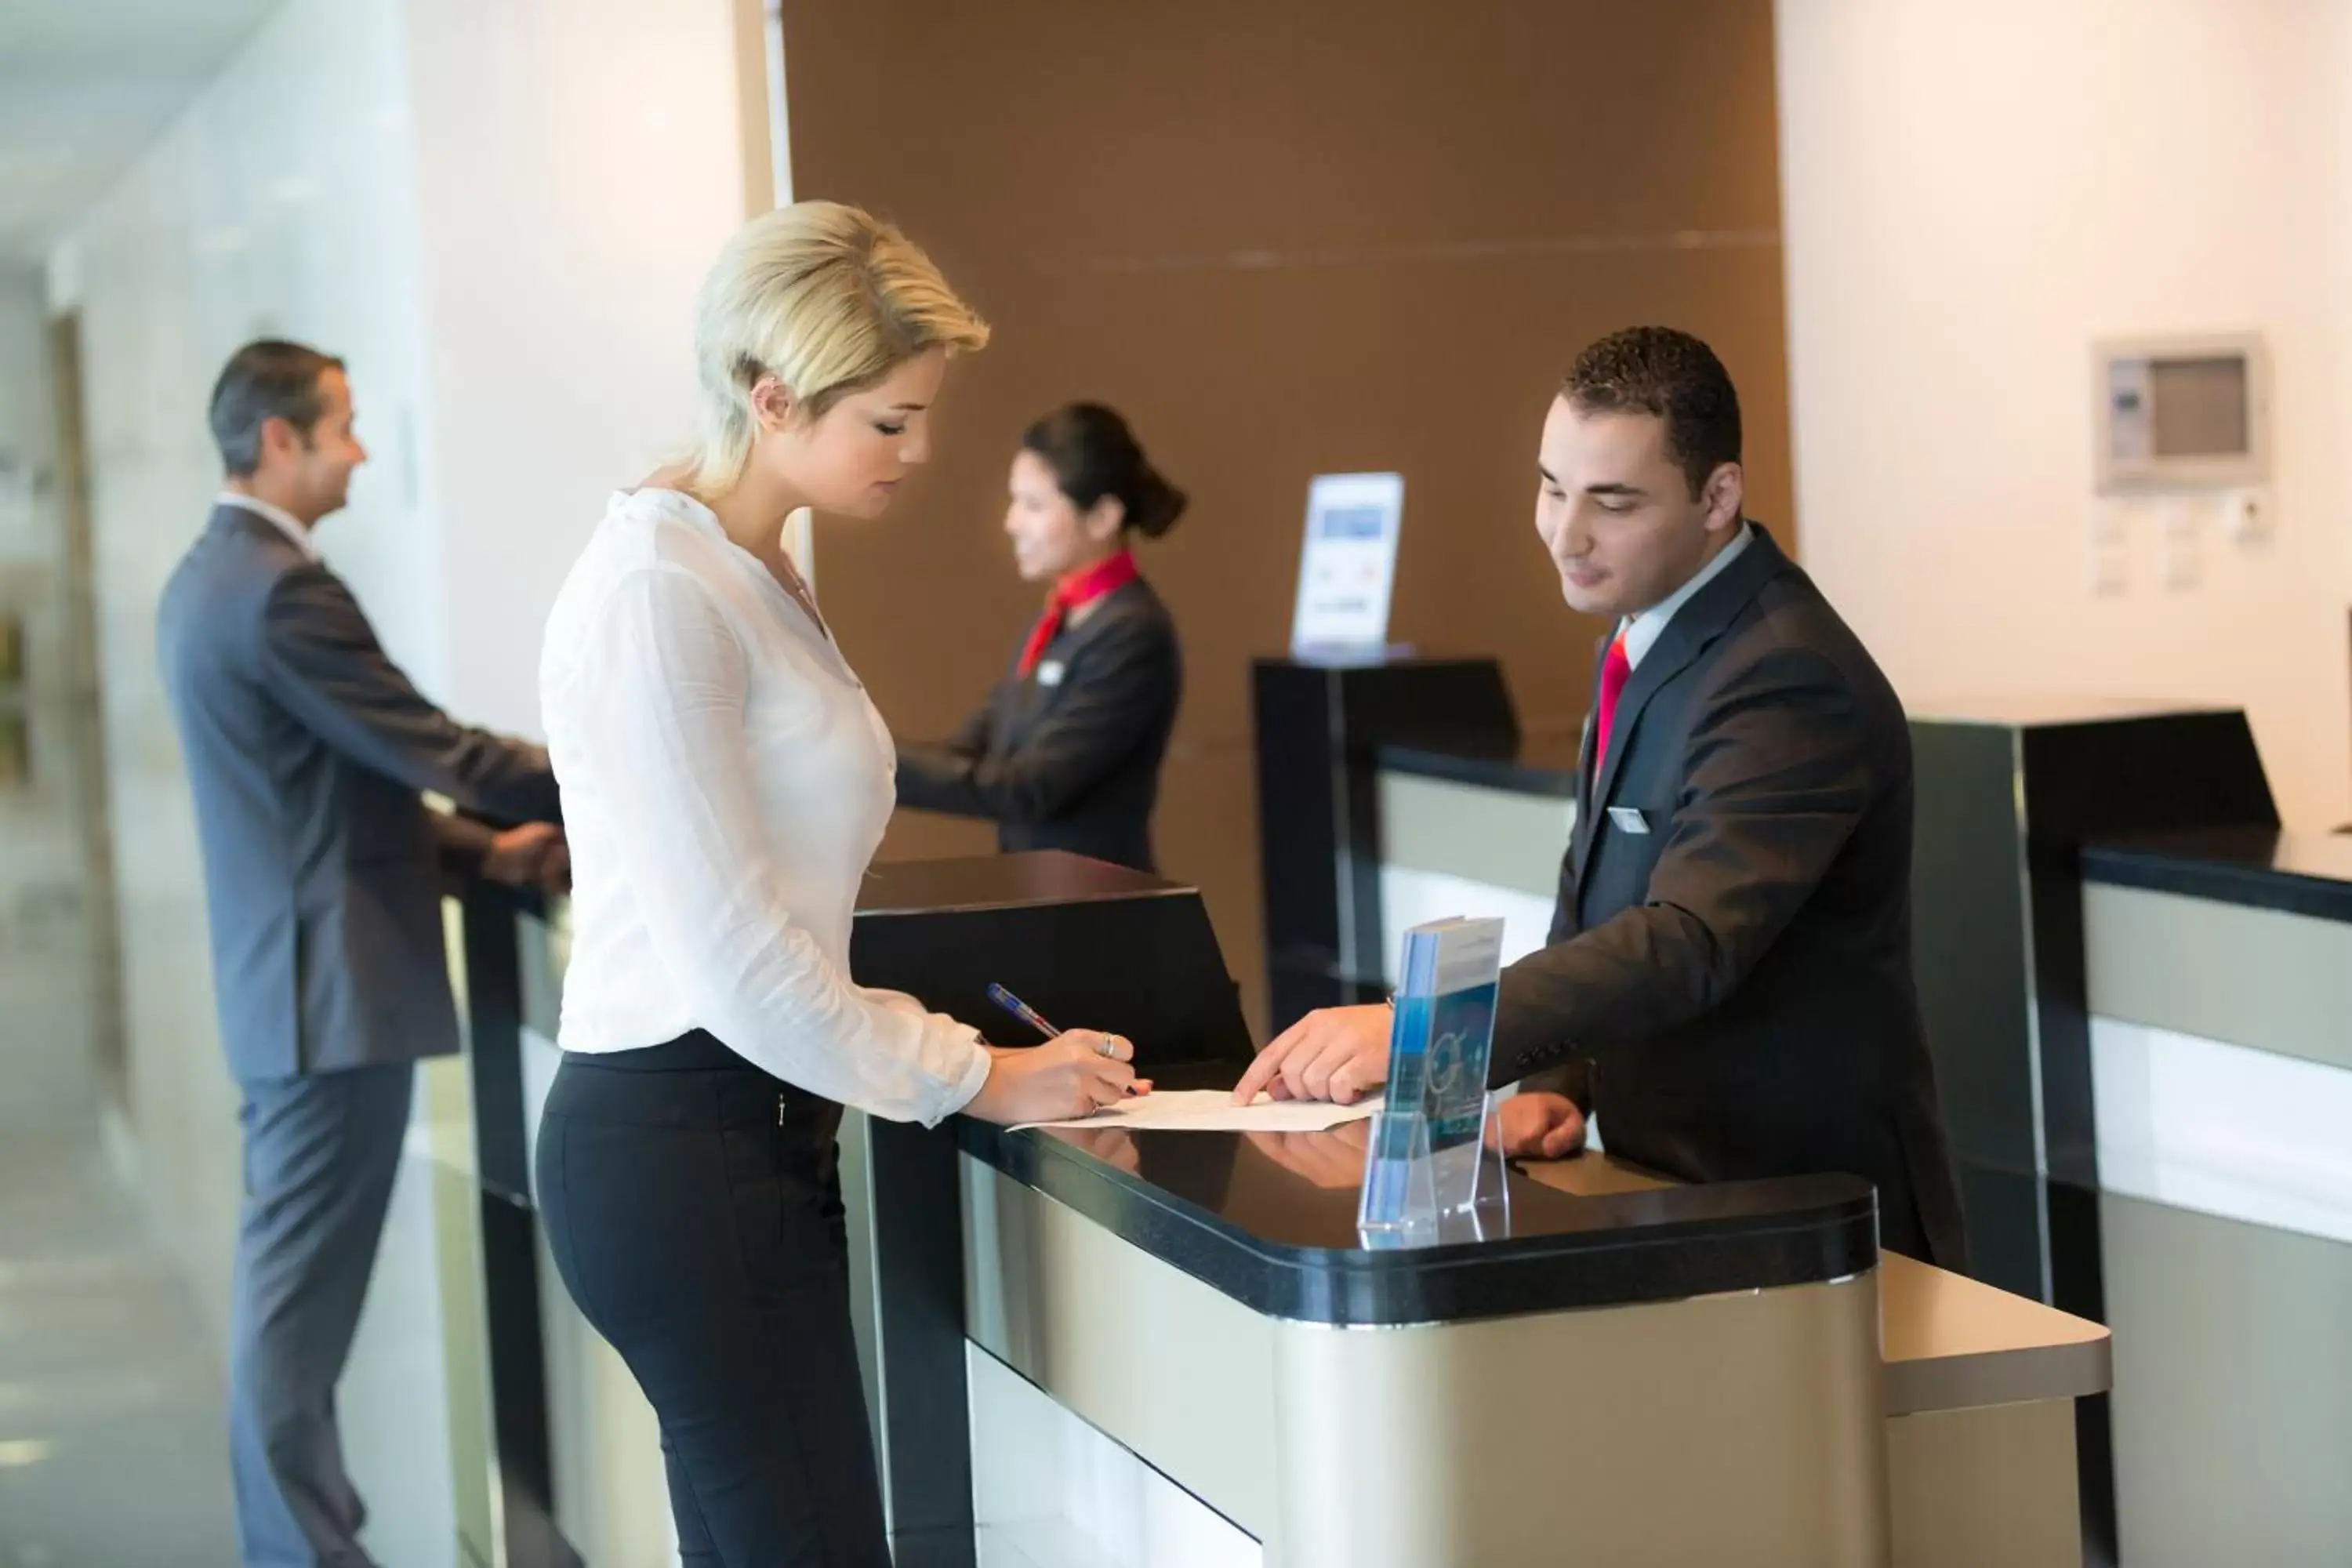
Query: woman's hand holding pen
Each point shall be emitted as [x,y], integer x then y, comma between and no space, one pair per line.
[1074,1074]
[1091,1073]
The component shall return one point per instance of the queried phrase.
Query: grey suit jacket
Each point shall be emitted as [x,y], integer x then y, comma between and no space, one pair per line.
[1740,975]
[306,749]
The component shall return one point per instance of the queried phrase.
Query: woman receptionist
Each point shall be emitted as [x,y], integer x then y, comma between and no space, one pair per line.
[1066,752]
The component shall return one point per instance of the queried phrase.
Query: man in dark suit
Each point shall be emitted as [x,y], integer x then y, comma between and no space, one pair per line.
[307,749]
[1729,968]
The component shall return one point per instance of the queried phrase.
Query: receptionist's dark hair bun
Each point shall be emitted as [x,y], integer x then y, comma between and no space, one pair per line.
[1093,454]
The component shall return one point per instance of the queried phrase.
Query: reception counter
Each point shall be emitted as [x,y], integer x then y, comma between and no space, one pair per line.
[1107,1347]
[1603,1364]
[1619,1370]
[2136,986]
[2217,994]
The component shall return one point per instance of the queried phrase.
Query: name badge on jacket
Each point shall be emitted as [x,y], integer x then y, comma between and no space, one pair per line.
[1049,673]
[1625,820]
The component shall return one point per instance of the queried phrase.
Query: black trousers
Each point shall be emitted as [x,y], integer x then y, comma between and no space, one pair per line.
[693,1205]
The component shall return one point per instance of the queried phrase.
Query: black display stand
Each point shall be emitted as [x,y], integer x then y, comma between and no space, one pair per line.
[1318,729]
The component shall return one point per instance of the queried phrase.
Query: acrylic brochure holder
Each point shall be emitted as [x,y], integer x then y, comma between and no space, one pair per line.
[1432,1166]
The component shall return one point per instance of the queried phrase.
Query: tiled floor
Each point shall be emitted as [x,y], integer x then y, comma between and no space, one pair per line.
[112,1453]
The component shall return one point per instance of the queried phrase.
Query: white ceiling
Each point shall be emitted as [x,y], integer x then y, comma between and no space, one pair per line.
[86,85]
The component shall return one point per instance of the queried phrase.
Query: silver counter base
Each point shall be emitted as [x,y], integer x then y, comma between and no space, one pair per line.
[1746,1428]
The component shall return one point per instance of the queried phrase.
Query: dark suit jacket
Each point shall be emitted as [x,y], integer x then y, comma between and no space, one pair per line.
[1740,974]
[1074,763]
[306,749]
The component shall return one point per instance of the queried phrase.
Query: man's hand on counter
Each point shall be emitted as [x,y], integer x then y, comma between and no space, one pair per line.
[555,869]
[1111,1145]
[534,853]
[1340,1054]
[1540,1127]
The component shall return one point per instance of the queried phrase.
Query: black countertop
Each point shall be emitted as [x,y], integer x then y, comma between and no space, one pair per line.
[1545,764]
[1270,1220]
[1001,881]
[2264,868]
[1538,765]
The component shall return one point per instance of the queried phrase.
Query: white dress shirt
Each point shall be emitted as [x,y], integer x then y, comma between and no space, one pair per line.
[1643,632]
[725,782]
[283,519]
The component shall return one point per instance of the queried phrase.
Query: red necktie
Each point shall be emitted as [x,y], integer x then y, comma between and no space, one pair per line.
[1615,671]
[1078,589]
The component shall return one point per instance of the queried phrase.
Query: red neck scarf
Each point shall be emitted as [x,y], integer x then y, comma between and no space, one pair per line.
[1073,592]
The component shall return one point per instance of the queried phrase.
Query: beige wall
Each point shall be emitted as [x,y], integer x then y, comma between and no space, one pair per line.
[269,207]
[577,165]
[1972,192]
[457,200]
[1284,239]
[500,214]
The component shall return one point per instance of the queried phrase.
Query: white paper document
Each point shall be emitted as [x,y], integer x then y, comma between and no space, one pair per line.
[1213,1110]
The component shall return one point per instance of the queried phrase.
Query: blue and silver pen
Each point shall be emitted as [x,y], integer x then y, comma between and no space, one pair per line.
[1031,1016]
[1020,1010]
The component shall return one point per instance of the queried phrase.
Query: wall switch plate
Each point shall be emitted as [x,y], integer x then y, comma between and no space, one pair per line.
[2110,554]
[2176,536]
[2245,516]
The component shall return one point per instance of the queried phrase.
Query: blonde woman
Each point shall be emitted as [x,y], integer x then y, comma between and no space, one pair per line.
[724,782]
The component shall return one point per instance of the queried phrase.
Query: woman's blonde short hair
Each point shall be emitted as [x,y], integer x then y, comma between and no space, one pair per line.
[827,299]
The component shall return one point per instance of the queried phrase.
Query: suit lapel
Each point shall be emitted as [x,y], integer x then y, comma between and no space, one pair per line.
[1695,626]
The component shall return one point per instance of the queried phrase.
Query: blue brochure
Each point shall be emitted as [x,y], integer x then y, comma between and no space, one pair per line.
[1423,1159]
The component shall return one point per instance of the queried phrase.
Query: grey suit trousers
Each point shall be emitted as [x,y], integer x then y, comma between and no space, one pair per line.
[321,1153]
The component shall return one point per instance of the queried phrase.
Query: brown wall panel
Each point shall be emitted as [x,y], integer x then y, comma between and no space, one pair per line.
[1285,240]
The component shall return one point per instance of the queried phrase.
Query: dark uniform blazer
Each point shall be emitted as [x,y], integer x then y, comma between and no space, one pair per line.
[1069,757]
[1737,963]
[306,749]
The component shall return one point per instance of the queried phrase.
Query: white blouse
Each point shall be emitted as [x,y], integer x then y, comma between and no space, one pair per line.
[726,781]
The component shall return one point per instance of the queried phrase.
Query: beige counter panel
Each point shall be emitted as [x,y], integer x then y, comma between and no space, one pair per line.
[1737,1428]
[1979,1392]
[1990,1488]
[1730,1430]
[1954,1344]
[1182,1373]
[1905,1417]
[1949,1341]
[1498,836]
[2265,978]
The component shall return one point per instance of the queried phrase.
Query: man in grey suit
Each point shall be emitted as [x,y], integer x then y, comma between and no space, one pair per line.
[1728,982]
[308,751]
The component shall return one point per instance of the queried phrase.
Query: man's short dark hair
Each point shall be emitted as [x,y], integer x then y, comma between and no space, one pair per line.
[267,379]
[1673,375]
